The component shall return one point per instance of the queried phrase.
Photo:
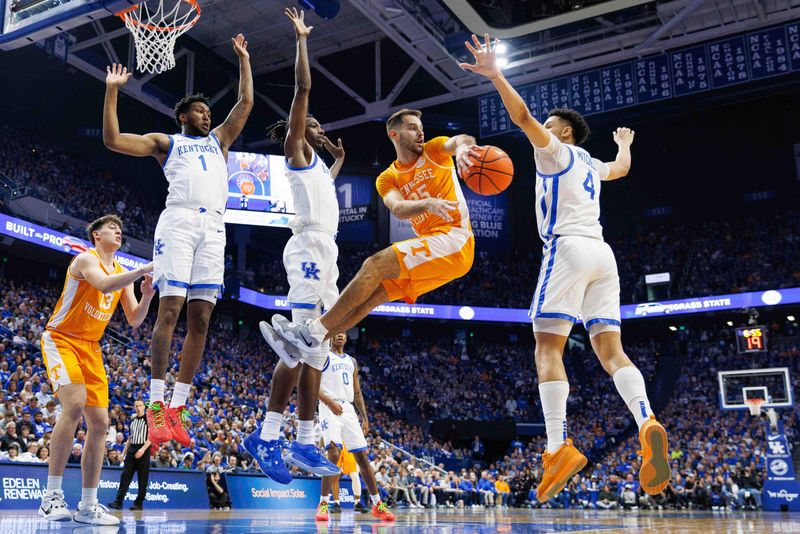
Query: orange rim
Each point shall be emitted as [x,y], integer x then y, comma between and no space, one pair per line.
[124,15]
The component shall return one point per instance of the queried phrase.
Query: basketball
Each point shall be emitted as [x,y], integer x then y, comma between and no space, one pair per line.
[491,172]
[247,188]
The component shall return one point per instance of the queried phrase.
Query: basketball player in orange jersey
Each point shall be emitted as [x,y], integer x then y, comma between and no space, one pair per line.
[94,285]
[422,186]
[578,277]
[189,240]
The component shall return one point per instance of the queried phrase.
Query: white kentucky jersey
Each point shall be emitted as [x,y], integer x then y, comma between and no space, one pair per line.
[197,172]
[315,203]
[337,377]
[568,191]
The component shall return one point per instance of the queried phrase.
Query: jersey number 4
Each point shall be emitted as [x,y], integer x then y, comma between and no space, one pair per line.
[588,184]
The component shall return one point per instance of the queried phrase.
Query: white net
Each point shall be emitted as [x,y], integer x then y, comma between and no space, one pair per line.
[754,405]
[156,25]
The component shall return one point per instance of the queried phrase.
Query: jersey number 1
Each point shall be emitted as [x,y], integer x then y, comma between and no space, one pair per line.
[588,184]
[203,161]
[345,379]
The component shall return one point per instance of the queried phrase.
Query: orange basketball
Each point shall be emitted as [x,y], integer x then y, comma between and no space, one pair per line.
[491,172]
[248,188]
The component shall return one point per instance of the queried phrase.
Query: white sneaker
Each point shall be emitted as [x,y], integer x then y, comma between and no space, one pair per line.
[295,334]
[54,507]
[96,514]
[285,350]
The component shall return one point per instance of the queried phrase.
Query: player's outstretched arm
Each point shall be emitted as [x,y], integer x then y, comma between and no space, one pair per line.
[294,146]
[228,131]
[136,310]
[406,209]
[620,167]
[152,144]
[486,66]
[87,266]
[358,399]
[337,151]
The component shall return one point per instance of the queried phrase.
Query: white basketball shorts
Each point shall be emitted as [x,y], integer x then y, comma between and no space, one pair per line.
[339,429]
[189,253]
[578,278]
[310,262]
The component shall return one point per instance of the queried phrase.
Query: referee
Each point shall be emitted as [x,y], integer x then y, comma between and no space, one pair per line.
[137,458]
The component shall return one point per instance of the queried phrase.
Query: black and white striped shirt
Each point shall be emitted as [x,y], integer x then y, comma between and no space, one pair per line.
[138,434]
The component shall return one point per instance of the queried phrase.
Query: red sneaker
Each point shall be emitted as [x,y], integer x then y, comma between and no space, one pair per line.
[381,511]
[158,431]
[178,420]
[322,512]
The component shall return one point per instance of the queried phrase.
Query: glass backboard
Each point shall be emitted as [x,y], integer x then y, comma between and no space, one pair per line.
[773,385]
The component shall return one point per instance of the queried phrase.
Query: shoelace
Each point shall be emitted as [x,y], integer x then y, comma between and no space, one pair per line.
[323,507]
[56,499]
[158,414]
[383,508]
[186,417]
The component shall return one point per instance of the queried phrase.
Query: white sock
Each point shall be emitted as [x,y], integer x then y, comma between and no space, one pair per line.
[317,330]
[54,483]
[272,426]
[554,406]
[88,497]
[156,390]
[376,499]
[179,394]
[323,498]
[630,385]
[356,483]
[305,432]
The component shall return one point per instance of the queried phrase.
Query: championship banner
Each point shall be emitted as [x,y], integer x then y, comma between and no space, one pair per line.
[257,491]
[22,486]
[781,490]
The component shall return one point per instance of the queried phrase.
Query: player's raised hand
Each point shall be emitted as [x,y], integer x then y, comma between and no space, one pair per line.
[337,150]
[623,136]
[298,19]
[441,208]
[240,46]
[117,75]
[485,58]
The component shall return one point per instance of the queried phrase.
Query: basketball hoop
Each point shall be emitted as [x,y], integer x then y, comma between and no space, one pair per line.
[754,405]
[155,30]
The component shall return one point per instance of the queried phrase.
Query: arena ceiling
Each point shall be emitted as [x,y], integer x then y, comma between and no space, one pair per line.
[377,56]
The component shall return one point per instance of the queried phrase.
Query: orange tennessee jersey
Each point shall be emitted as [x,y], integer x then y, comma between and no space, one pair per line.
[432,175]
[83,311]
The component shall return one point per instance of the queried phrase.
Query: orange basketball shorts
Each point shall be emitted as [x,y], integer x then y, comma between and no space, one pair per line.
[347,462]
[430,261]
[75,361]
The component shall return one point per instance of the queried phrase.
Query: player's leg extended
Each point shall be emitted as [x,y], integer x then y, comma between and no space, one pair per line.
[379,296]
[655,471]
[561,460]
[375,269]
[265,445]
[169,309]
[379,508]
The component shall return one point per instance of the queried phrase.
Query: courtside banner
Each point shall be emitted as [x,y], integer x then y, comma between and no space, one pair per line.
[55,240]
[21,487]
[257,491]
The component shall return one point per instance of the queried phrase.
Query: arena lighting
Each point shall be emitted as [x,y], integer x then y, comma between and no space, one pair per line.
[502,62]
[673,328]
[501,48]
[790,317]
[729,323]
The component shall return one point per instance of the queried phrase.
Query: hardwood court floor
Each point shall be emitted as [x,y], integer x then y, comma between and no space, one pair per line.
[414,521]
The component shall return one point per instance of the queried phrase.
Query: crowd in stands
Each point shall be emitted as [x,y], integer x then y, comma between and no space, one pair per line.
[718,458]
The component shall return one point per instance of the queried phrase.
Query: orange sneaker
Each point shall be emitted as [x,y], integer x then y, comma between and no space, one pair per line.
[655,471]
[322,512]
[381,511]
[178,420]
[559,467]
[158,431]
